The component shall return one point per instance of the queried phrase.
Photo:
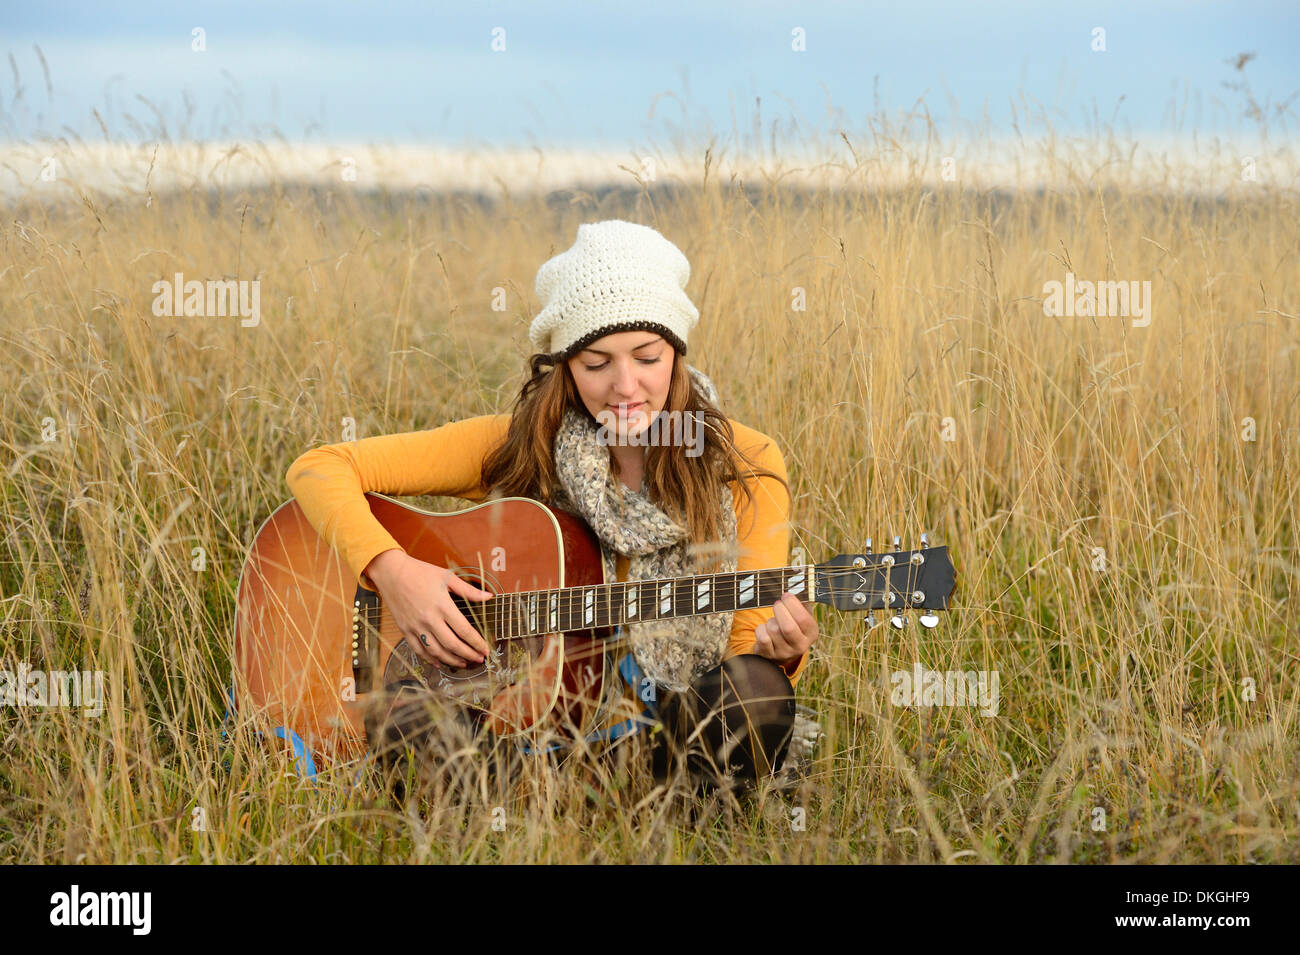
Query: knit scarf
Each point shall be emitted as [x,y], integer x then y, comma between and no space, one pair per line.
[671,652]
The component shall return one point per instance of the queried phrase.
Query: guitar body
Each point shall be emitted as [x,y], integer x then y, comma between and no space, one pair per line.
[312,648]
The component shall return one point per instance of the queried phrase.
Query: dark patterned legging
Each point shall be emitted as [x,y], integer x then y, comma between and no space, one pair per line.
[733,724]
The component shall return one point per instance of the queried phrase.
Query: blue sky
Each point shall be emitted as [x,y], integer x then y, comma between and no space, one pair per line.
[629,74]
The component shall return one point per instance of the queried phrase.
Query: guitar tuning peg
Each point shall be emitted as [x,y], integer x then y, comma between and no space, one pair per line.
[930,620]
[898,542]
[925,540]
[869,622]
[898,621]
[867,549]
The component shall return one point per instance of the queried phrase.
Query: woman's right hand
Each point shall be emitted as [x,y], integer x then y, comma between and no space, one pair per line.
[418,595]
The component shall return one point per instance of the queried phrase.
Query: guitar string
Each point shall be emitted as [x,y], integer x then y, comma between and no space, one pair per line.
[570,600]
[503,616]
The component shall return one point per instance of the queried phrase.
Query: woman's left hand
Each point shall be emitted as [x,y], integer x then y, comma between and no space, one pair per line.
[790,632]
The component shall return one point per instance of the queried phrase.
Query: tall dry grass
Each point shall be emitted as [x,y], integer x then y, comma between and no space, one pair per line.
[1127,558]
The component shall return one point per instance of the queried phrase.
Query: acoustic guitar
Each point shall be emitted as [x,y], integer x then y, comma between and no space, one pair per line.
[312,647]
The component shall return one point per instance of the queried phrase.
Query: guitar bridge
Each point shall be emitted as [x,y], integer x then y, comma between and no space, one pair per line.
[365,638]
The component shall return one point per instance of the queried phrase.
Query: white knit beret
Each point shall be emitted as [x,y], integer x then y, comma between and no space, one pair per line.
[618,276]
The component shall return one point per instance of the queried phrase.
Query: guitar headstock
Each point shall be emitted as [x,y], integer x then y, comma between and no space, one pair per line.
[921,579]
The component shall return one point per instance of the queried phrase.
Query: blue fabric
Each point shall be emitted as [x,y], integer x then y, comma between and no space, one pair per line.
[230,710]
[305,764]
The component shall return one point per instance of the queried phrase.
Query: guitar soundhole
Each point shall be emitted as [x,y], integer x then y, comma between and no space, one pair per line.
[478,682]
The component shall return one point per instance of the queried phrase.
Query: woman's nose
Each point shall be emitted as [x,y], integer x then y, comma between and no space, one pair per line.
[625,383]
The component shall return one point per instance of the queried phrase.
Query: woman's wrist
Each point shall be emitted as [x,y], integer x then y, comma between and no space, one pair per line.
[381,566]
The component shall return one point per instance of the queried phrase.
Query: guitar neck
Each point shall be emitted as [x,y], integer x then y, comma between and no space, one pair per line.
[535,612]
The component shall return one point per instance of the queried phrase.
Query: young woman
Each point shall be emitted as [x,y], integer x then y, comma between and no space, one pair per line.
[611,344]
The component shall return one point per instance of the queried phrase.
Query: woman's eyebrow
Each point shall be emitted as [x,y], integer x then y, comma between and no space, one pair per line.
[653,341]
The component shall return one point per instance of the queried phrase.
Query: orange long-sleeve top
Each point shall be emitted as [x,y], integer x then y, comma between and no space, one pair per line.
[329,483]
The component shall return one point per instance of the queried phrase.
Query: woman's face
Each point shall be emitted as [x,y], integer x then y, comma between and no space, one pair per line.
[626,376]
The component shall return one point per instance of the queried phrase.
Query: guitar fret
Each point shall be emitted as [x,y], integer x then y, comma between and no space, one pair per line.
[772,587]
[622,602]
[795,584]
[724,592]
[724,598]
[704,595]
[747,592]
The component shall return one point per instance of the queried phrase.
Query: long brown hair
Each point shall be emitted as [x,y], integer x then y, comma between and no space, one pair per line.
[686,488]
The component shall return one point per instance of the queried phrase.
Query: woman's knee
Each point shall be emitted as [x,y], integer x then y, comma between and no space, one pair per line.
[747,708]
[416,736]
[407,715]
[758,684]
[752,667]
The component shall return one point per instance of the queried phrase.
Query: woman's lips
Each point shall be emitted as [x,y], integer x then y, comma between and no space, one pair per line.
[626,409]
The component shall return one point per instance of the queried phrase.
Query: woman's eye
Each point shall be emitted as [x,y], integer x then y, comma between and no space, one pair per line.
[644,361]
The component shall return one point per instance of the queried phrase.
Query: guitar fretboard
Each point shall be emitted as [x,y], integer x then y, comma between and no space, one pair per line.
[535,612]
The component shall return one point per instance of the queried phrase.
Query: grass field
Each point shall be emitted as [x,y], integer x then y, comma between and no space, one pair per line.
[1119,499]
